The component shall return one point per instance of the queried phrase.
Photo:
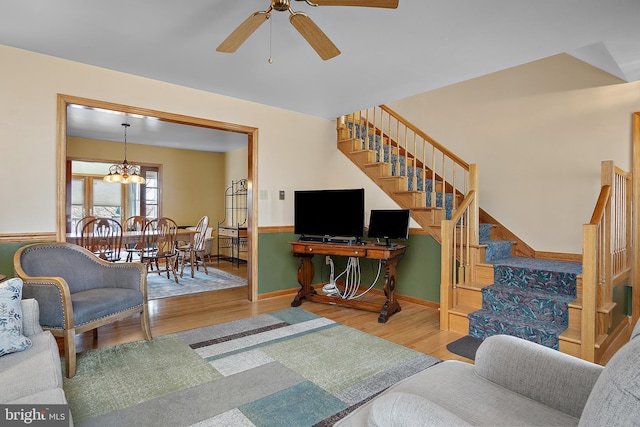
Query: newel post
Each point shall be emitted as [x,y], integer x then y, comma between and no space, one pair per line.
[446,278]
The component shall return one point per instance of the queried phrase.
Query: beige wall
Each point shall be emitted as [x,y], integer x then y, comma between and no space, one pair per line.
[236,165]
[29,87]
[539,133]
[191,180]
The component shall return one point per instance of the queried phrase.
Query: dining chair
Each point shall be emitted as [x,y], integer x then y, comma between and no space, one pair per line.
[194,254]
[82,222]
[78,292]
[103,237]
[134,223]
[159,243]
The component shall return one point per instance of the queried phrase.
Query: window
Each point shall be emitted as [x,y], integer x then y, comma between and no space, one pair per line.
[150,204]
[90,195]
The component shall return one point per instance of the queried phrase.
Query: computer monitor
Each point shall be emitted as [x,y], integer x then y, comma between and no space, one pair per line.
[329,215]
[389,224]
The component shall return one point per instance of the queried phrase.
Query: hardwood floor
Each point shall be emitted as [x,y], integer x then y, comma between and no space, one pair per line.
[416,326]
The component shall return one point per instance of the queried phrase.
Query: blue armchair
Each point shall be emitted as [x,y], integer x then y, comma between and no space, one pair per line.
[78,292]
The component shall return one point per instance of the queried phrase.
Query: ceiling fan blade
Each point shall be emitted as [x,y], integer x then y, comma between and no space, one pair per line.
[314,36]
[389,4]
[242,33]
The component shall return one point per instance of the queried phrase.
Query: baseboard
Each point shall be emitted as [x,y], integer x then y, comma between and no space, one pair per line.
[318,287]
[273,294]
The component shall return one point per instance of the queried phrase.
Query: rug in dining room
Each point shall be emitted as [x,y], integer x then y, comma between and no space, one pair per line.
[287,368]
[158,286]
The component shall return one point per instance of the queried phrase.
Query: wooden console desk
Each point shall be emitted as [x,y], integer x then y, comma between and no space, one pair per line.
[389,256]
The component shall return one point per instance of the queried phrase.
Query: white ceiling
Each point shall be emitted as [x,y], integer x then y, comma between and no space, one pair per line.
[90,123]
[387,54]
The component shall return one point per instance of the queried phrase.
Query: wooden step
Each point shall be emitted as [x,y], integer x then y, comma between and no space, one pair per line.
[416,199]
[363,157]
[484,273]
[569,342]
[393,184]
[376,170]
[349,145]
[459,318]
[428,217]
[608,308]
[575,314]
[470,294]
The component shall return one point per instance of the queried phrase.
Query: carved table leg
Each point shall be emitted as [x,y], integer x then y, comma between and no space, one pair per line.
[306,271]
[391,306]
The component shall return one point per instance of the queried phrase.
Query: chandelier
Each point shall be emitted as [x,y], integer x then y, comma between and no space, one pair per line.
[124,172]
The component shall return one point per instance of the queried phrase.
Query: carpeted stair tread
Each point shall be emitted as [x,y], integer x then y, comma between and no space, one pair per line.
[485,323]
[517,303]
[484,234]
[529,299]
[496,249]
[541,264]
[552,276]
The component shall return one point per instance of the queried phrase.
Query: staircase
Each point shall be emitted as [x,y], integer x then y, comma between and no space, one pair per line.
[529,297]
[415,184]
[491,281]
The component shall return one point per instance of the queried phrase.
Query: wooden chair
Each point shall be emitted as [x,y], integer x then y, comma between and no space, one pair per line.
[159,242]
[134,223]
[82,222]
[194,254]
[78,292]
[103,237]
[208,246]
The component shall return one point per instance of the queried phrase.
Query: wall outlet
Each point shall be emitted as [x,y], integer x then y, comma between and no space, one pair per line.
[327,260]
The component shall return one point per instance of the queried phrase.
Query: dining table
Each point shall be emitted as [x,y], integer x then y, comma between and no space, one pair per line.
[135,237]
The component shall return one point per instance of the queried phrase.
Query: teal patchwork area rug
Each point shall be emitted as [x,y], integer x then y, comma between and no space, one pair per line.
[288,368]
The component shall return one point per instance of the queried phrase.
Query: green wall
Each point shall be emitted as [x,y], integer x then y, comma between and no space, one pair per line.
[418,271]
[6,257]
[277,268]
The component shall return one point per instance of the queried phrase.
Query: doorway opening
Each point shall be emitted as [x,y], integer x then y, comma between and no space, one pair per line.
[64,170]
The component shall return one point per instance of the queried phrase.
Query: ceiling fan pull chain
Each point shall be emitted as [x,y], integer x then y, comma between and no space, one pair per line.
[270,59]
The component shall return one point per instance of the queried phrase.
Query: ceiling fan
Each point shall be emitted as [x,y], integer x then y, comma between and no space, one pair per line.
[305,26]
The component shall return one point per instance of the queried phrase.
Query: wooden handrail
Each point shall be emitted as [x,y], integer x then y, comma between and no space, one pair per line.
[411,154]
[426,137]
[601,204]
[466,202]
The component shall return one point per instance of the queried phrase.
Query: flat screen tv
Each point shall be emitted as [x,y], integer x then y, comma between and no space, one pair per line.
[389,224]
[329,215]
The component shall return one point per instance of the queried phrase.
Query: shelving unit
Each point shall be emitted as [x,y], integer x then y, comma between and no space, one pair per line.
[232,230]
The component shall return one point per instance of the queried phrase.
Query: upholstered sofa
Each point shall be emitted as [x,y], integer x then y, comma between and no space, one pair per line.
[34,375]
[513,382]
